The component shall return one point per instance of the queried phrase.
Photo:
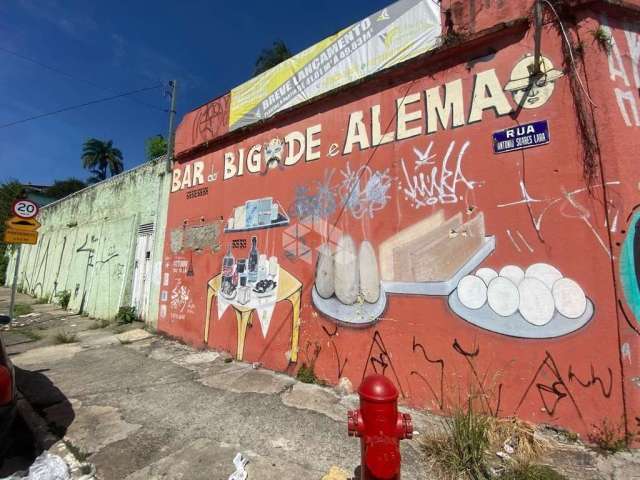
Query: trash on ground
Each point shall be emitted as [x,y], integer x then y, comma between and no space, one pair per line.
[239,462]
[336,473]
[509,448]
[503,455]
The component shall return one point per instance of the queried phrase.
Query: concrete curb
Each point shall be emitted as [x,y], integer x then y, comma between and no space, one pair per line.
[45,440]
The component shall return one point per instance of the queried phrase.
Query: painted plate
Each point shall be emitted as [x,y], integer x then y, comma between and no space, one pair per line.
[515,325]
[357,315]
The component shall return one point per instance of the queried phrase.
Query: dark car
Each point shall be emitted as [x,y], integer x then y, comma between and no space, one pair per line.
[7,392]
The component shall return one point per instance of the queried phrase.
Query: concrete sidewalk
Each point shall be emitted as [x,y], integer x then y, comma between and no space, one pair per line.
[139,406]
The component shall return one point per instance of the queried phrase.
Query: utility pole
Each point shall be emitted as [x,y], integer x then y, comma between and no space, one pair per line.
[537,13]
[173,85]
[15,283]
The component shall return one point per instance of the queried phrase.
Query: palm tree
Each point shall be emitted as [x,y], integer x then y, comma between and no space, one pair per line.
[100,155]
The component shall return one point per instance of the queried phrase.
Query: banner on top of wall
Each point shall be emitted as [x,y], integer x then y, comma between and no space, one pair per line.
[392,35]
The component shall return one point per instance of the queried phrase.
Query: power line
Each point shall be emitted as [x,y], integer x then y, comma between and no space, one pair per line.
[73,77]
[74,107]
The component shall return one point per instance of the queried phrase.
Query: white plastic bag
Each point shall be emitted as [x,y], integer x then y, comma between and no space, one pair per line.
[239,462]
[46,467]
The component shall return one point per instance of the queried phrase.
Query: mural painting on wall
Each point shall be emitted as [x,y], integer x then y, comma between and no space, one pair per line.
[433,257]
[353,246]
[630,270]
[534,303]
[254,283]
[427,258]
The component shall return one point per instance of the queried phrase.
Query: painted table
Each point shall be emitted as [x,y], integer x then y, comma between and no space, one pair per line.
[289,289]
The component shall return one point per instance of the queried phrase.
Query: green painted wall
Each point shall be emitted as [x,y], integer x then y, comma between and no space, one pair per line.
[88,240]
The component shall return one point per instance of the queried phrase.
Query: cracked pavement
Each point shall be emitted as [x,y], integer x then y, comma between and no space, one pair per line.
[139,406]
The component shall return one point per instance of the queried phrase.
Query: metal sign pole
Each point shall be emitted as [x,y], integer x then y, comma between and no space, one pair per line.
[15,282]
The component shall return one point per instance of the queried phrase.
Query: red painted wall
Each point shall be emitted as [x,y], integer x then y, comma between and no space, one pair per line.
[614,82]
[535,205]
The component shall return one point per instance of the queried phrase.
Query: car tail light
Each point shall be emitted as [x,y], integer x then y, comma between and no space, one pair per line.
[6,385]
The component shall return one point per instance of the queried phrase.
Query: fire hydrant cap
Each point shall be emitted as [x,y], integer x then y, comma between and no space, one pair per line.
[378,388]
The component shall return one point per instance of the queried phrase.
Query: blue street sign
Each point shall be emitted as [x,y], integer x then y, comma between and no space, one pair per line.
[521,137]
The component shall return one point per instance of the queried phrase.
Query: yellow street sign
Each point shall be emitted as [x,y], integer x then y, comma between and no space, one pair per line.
[27,224]
[20,236]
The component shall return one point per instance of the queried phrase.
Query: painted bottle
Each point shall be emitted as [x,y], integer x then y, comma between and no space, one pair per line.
[253,261]
[228,270]
[263,267]
[241,269]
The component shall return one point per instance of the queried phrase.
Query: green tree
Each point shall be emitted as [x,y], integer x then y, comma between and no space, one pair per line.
[270,57]
[100,155]
[155,147]
[62,188]
[9,191]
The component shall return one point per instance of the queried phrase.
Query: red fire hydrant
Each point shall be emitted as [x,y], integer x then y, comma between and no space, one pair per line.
[380,427]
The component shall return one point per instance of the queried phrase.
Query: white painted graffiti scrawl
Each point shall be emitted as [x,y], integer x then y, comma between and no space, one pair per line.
[434,180]
[625,93]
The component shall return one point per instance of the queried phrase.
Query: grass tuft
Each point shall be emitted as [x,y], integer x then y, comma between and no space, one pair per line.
[306,374]
[527,471]
[41,301]
[101,323]
[466,449]
[31,334]
[65,337]
[21,309]
[460,451]
[609,437]
[79,454]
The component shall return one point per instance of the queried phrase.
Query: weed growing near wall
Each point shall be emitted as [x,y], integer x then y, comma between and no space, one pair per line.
[126,315]
[63,298]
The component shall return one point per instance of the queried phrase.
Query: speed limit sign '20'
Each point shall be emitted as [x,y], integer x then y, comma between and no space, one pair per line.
[25,209]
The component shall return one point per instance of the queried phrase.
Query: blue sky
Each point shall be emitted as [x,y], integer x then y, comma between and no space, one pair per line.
[208,46]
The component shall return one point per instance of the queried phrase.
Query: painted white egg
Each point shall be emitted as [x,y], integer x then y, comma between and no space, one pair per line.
[325,275]
[547,274]
[346,272]
[536,302]
[472,292]
[503,296]
[369,274]
[569,298]
[513,273]
[486,274]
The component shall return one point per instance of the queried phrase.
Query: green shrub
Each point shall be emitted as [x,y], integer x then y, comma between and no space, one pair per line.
[63,298]
[41,301]
[602,37]
[306,374]
[126,315]
[4,263]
